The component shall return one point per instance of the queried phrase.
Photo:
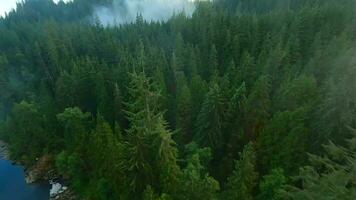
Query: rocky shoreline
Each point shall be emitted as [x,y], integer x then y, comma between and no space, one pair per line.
[60,192]
[42,171]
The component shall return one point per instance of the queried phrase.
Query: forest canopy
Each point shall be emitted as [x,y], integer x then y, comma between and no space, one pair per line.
[242,99]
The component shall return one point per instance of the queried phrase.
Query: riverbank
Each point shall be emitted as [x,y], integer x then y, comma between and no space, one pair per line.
[41,172]
[61,192]
[13,185]
[12,181]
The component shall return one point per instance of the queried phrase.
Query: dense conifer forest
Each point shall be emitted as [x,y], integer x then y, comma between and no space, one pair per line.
[243,100]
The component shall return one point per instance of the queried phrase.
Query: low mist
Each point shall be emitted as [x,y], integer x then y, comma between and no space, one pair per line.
[126,11]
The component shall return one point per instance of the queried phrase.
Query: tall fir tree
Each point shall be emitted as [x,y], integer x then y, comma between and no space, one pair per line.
[242,182]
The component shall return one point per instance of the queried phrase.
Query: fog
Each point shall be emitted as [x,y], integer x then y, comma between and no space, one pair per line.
[126,11]
[6,6]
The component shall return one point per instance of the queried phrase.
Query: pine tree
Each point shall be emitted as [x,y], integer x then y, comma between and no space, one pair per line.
[150,152]
[141,113]
[283,141]
[65,92]
[211,64]
[166,160]
[191,67]
[234,132]
[184,121]
[248,69]
[243,180]
[104,98]
[179,53]
[118,106]
[104,154]
[184,118]
[257,107]
[210,120]
[198,88]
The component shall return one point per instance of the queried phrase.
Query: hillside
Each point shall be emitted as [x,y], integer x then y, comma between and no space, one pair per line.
[229,99]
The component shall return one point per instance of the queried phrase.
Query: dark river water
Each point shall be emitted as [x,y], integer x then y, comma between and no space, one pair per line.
[13,186]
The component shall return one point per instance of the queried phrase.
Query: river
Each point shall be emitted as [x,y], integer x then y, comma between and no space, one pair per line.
[13,186]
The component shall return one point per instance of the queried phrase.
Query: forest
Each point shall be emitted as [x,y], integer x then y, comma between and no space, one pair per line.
[242,100]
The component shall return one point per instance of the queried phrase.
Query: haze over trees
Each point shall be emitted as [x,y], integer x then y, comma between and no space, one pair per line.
[245,99]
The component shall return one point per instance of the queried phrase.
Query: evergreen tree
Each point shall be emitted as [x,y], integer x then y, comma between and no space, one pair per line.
[210,120]
[257,107]
[243,180]
[118,108]
[235,132]
[272,184]
[28,133]
[146,164]
[212,64]
[196,182]
[142,114]
[184,123]
[329,176]
[104,155]
[75,125]
[198,88]
[283,141]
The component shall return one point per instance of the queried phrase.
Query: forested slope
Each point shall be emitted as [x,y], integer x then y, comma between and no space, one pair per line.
[230,103]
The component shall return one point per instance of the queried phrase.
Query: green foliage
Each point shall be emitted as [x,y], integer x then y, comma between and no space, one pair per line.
[330,176]
[74,124]
[71,166]
[184,118]
[196,182]
[271,185]
[210,119]
[258,106]
[243,180]
[150,152]
[29,137]
[283,141]
[161,110]
[337,111]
